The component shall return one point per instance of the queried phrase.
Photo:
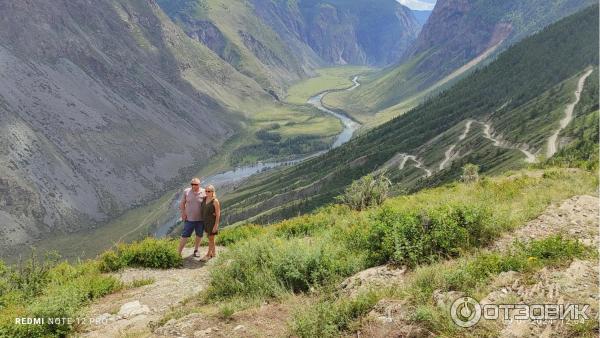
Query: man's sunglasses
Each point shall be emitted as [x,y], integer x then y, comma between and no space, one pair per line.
[194,184]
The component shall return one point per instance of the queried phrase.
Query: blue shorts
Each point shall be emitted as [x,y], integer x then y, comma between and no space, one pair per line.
[191,226]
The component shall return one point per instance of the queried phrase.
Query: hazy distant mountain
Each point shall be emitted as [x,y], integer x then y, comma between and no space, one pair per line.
[421,16]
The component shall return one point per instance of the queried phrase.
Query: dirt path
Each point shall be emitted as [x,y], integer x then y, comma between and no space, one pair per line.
[576,217]
[529,157]
[356,83]
[552,140]
[577,283]
[448,154]
[401,159]
[132,310]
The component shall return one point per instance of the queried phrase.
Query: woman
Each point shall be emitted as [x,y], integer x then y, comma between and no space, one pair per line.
[211,214]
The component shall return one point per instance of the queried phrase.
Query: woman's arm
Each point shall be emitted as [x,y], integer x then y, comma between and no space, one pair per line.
[217,215]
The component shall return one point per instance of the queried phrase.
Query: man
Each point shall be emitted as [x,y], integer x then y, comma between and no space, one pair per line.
[191,214]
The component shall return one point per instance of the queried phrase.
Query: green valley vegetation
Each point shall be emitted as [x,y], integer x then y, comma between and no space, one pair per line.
[514,105]
[328,79]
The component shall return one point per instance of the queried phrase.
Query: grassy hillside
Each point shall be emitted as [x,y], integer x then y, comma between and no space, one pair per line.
[309,256]
[451,39]
[524,84]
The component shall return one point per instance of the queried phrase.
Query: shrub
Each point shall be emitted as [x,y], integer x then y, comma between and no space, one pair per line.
[300,226]
[270,267]
[477,270]
[31,276]
[369,190]
[470,173]
[412,238]
[149,253]
[554,249]
[328,317]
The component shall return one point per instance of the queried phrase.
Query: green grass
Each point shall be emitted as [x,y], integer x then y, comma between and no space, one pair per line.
[48,289]
[328,78]
[148,253]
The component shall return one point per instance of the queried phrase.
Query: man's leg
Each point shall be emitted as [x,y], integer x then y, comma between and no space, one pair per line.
[188,227]
[182,242]
[197,243]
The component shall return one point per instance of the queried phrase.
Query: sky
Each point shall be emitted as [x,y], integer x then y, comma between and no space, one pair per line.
[418,4]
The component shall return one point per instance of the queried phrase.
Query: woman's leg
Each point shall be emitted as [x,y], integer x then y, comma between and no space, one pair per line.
[211,246]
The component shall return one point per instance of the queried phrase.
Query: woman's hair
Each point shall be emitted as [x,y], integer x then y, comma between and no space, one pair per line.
[211,187]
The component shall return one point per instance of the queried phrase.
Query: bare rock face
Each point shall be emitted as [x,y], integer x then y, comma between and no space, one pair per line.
[375,277]
[97,113]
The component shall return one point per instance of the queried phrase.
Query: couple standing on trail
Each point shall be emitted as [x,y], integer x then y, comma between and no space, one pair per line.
[200,212]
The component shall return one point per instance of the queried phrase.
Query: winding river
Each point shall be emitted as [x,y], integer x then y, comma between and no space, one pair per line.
[238,174]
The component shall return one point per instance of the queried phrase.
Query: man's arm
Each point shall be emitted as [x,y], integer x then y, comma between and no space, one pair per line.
[182,207]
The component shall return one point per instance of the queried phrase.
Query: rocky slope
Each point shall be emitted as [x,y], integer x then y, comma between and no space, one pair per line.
[102,105]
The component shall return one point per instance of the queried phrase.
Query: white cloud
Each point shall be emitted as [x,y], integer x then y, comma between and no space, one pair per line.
[421,5]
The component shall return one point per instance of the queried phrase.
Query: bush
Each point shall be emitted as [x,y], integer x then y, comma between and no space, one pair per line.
[470,173]
[270,267]
[554,249]
[300,226]
[413,238]
[149,253]
[369,190]
[28,277]
[470,273]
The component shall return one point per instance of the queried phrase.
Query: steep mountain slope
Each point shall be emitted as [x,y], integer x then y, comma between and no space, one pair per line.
[514,105]
[276,42]
[102,105]
[233,30]
[457,32]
